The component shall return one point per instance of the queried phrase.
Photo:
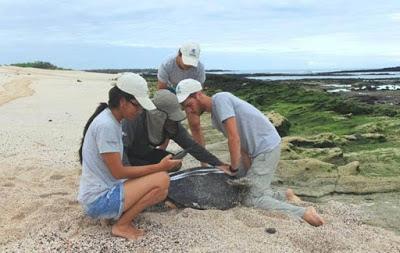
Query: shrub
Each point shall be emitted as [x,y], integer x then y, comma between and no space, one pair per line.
[36,64]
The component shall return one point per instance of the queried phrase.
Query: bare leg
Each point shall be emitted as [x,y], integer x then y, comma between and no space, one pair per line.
[291,197]
[312,217]
[139,194]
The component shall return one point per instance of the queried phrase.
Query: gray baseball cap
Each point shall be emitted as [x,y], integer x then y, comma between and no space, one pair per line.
[167,102]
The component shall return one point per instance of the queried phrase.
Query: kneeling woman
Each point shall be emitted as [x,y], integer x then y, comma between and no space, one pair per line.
[109,190]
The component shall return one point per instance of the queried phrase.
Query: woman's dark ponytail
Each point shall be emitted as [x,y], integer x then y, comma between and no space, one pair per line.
[99,109]
[114,97]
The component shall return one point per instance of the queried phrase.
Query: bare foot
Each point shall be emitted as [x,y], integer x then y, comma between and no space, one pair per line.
[127,231]
[312,217]
[291,197]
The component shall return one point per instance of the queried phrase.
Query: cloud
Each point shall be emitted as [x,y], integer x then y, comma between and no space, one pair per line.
[297,27]
[395,16]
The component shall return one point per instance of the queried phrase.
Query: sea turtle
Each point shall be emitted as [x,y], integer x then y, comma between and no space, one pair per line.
[204,188]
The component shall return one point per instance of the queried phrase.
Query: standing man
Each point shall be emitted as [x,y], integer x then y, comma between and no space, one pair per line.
[254,146]
[184,65]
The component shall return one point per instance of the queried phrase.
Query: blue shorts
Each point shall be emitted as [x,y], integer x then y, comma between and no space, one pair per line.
[108,206]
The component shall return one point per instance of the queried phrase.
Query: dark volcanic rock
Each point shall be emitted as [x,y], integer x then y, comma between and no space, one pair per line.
[270,230]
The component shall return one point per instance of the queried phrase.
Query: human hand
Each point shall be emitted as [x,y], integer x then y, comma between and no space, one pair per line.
[167,163]
[204,164]
[226,169]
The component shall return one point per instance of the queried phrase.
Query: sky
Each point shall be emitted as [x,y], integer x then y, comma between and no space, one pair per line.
[238,35]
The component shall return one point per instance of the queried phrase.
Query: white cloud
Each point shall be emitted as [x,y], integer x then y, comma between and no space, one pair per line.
[395,16]
[339,27]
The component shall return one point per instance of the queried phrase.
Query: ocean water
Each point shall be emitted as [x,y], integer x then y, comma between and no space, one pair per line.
[306,74]
[354,75]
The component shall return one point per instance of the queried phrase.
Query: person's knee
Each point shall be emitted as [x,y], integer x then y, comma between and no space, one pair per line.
[162,186]
[163,194]
[162,179]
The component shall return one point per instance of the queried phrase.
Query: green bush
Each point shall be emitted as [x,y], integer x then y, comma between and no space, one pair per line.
[36,64]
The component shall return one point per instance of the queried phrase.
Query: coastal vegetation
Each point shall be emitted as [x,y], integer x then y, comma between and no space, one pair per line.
[36,64]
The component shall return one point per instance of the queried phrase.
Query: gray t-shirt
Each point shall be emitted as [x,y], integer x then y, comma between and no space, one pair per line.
[104,135]
[170,73]
[257,134]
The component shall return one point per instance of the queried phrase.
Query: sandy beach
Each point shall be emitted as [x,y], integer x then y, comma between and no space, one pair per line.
[42,114]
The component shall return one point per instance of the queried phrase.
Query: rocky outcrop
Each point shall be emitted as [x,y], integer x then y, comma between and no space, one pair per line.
[325,163]
[313,178]
[353,184]
[308,176]
[317,166]
[281,123]
[352,168]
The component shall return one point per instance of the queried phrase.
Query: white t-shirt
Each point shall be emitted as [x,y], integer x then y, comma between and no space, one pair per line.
[257,134]
[104,135]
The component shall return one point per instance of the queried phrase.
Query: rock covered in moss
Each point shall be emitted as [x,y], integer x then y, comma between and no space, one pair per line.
[281,123]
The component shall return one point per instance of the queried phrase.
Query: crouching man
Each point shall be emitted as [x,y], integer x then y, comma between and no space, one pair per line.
[254,146]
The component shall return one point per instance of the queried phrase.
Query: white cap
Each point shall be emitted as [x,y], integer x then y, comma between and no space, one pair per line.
[190,53]
[187,87]
[136,85]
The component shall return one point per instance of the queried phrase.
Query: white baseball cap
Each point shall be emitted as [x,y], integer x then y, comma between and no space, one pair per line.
[136,85]
[187,87]
[190,53]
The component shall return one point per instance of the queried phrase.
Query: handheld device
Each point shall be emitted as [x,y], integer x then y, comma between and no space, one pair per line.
[179,155]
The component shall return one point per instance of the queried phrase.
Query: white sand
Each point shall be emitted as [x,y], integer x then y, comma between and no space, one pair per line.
[42,114]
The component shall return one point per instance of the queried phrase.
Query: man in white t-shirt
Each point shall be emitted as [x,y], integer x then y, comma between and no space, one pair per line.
[254,146]
[182,66]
